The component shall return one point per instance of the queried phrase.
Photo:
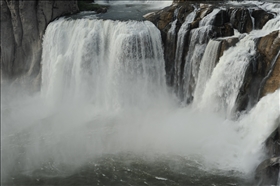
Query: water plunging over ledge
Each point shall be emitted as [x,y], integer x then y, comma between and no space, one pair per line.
[105,115]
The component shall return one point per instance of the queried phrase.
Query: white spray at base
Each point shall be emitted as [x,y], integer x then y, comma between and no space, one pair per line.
[114,71]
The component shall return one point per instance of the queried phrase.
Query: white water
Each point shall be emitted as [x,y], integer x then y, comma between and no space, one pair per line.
[103,92]
[208,20]
[207,65]
[180,45]
[114,64]
[223,87]
[198,41]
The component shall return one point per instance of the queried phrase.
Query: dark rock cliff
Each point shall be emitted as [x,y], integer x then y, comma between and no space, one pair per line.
[22,27]
[262,76]
[243,19]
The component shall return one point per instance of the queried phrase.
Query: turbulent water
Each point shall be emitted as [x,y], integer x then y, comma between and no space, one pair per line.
[105,115]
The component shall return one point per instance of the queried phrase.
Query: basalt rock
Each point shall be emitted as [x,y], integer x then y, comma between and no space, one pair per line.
[267,172]
[263,74]
[221,18]
[241,20]
[261,17]
[22,27]
[163,18]
[269,49]
[227,43]
[273,143]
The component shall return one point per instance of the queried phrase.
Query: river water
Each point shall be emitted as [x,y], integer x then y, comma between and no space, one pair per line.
[105,116]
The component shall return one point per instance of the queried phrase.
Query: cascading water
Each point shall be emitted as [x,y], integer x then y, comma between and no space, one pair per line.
[171,48]
[198,42]
[114,64]
[182,34]
[105,117]
[207,65]
[222,89]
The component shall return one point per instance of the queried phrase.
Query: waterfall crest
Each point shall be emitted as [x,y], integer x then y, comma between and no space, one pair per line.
[111,64]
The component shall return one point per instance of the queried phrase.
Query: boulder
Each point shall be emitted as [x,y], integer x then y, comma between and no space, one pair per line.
[261,17]
[241,20]
[272,143]
[227,43]
[221,18]
[267,172]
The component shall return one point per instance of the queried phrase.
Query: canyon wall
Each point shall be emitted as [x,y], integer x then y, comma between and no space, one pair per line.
[22,28]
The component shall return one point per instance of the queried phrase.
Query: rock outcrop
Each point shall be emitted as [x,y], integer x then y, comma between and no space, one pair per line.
[243,19]
[269,49]
[263,75]
[22,27]
[267,172]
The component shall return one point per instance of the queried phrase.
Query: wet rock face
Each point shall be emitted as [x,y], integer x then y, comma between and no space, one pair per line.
[261,17]
[273,143]
[221,18]
[263,74]
[226,19]
[227,43]
[269,47]
[23,26]
[267,172]
[241,20]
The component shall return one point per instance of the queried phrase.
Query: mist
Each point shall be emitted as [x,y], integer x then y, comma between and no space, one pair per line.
[104,93]
[35,134]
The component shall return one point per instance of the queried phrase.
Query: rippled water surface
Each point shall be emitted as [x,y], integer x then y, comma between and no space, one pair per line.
[129,169]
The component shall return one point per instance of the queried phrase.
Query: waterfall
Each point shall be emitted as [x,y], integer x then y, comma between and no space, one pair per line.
[208,62]
[170,51]
[111,64]
[198,42]
[199,38]
[223,87]
[252,18]
[104,103]
[209,19]
[182,37]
